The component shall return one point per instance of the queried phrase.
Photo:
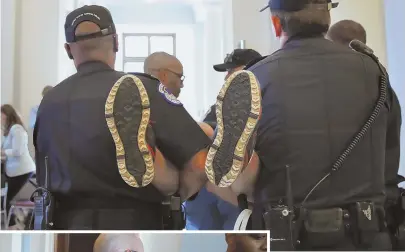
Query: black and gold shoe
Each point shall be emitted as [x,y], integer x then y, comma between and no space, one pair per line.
[238,110]
[127,112]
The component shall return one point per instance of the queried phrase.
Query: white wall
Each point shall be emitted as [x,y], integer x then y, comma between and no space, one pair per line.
[27,242]
[253,26]
[28,51]
[37,57]
[8,11]
[6,242]
[369,13]
[395,31]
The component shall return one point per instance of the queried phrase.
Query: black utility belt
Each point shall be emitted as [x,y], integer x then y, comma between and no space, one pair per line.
[97,203]
[326,226]
[364,216]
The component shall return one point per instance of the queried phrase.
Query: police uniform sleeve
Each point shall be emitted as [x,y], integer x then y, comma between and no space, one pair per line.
[38,155]
[392,152]
[178,136]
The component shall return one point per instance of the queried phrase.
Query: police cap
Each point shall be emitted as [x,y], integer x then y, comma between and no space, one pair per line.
[91,13]
[293,5]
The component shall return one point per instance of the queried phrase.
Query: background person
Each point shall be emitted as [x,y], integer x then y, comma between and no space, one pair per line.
[343,32]
[18,164]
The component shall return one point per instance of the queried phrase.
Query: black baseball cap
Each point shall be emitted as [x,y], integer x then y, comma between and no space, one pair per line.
[239,57]
[293,5]
[92,13]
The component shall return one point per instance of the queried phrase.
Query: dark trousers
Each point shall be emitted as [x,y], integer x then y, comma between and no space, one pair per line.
[15,184]
[139,216]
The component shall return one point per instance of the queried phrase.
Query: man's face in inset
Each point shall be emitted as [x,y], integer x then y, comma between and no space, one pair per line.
[246,242]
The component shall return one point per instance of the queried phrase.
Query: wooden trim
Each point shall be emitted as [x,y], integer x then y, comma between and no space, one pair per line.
[62,243]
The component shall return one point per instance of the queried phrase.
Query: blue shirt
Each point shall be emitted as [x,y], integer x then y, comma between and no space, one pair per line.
[209,212]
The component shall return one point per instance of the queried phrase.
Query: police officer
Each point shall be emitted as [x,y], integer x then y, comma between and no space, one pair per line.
[316,97]
[207,211]
[344,32]
[94,141]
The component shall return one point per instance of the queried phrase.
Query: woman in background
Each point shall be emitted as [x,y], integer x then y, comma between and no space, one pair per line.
[19,166]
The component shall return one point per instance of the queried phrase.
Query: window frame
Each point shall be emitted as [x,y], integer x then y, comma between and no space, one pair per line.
[127,59]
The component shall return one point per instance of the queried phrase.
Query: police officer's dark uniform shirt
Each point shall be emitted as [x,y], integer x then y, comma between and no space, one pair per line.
[393,150]
[316,97]
[72,131]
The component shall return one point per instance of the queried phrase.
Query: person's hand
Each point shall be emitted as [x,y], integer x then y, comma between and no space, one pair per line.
[3,155]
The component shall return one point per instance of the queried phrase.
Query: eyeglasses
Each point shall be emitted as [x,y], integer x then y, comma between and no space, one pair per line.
[181,76]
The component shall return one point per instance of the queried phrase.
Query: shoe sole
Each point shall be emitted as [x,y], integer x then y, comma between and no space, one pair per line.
[238,109]
[127,112]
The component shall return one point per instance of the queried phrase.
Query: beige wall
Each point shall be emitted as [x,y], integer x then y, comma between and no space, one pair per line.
[7,49]
[29,41]
[369,13]
[37,57]
[253,26]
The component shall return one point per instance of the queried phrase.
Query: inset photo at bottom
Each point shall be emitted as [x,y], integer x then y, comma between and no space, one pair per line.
[135,242]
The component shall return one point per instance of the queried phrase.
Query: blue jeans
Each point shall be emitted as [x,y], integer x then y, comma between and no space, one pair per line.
[208,212]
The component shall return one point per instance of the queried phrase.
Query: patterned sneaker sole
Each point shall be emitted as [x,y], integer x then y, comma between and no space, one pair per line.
[127,112]
[238,109]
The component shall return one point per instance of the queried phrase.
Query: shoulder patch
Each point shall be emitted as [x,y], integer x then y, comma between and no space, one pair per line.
[170,98]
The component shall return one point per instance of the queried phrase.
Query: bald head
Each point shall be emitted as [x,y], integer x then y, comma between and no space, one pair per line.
[159,60]
[343,32]
[167,68]
[95,49]
[118,243]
